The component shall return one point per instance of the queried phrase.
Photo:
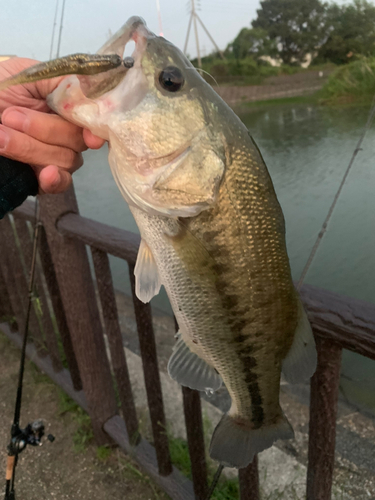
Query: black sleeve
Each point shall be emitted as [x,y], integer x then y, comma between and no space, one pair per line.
[17,182]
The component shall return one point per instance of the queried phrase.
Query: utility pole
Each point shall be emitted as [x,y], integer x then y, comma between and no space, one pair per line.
[194,14]
[194,17]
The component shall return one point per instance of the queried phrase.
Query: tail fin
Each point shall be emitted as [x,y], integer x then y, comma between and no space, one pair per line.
[234,444]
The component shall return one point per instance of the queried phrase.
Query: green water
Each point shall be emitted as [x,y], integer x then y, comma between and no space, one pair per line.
[307,149]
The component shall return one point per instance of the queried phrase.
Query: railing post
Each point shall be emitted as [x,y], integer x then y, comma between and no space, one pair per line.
[322,426]
[58,309]
[195,438]
[21,284]
[116,347]
[78,297]
[6,308]
[147,345]
[249,481]
[45,318]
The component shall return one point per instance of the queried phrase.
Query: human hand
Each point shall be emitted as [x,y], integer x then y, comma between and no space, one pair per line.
[31,133]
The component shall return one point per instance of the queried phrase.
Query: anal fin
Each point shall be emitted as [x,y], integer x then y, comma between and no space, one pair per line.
[189,370]
[147,279]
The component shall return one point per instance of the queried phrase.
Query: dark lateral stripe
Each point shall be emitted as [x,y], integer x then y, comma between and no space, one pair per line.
[251,379]
[245,352]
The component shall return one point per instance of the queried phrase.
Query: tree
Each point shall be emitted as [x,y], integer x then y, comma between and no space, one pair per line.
[254,42]
[298,26]
[352,32]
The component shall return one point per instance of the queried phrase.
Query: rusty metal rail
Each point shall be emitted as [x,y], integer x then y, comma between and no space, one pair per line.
[67,292]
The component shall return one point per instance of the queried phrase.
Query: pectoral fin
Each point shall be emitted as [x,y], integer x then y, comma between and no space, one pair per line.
[147,279]
[189,370]
[300,362]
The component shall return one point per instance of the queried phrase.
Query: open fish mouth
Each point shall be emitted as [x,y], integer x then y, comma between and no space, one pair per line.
[134,29]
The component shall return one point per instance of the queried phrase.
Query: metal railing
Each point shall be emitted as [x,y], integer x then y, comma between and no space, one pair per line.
[338,322]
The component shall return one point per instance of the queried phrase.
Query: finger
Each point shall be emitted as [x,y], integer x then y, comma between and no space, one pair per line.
[92,141]
[47,128]
[22,147]
[54,180]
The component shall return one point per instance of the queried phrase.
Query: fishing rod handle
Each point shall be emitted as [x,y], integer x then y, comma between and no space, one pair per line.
[17,182]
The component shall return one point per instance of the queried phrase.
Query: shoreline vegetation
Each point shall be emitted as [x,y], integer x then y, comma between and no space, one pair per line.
[298,39]
[353,83]
[347,85]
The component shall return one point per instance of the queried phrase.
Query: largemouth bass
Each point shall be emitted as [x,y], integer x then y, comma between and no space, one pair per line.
[212,233]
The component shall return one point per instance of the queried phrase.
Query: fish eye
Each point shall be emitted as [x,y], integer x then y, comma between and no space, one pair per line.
[171,79]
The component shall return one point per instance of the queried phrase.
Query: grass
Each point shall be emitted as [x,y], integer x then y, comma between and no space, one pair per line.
[303,99]
[248,71]
[352,83]
[84,435]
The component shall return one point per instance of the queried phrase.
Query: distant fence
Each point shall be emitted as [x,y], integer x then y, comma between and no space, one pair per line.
[64,282]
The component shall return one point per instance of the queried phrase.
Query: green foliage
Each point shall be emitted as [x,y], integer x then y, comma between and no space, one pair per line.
[297,26]
[255,42]
[227,489]
[352,82]
[245,71]
[180,455]
[84,435]
[351,32]
[103,453]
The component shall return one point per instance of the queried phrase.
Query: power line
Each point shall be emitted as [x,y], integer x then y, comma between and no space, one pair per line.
[53,29]
[61,27]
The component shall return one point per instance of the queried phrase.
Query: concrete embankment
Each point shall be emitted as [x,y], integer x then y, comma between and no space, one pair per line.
[275,88]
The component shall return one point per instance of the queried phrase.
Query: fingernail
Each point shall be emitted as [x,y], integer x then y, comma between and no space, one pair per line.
[3,139]
[16,120]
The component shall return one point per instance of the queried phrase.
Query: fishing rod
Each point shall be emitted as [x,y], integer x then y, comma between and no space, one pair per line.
[32,434]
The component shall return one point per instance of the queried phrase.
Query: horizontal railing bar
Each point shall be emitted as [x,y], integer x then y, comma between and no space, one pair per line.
[346,321]
[26,211]
[117,242]
[175,484]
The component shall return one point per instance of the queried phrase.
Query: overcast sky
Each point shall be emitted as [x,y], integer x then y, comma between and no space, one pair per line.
[26,25]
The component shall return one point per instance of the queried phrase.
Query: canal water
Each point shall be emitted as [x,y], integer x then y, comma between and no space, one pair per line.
[307,149]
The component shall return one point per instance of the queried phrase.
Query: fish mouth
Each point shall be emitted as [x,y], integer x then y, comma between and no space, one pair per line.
[134,29]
